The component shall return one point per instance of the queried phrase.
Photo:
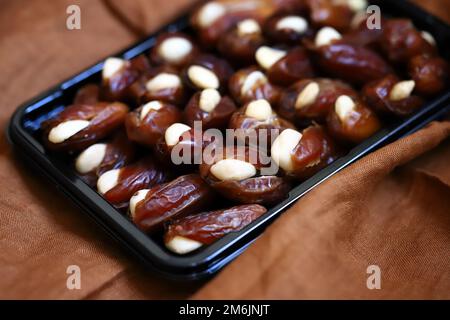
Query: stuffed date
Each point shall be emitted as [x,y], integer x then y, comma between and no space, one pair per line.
[251,84]
[311,99]
[105,156]
[285,67]
[239,174]
[150,208]
[147,124]
[117,186]
[285,28]
[210,108]
[187,234]
[392,96]
[351,121]
[79,126]
[173,49]
[254,117]
[208,72]
[240,44]
[160,83]
[119,74]
[401,41]
[345,60]
[302,154]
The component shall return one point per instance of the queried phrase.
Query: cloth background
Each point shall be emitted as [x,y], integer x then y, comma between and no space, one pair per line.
[391,209]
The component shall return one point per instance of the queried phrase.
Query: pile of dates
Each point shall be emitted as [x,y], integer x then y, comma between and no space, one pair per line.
[306,77]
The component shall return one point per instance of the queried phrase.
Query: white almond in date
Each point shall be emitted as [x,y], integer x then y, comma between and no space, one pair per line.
[90,158]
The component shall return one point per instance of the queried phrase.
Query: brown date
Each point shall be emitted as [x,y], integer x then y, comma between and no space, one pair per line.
[290,6]
[215,18]
[431,74]
[286,28]
[360,33]
[392,96]
[210,108]
[118,75]
[88,94]
[351,121]
[240,43]
[311,99]
[182,146]
[330,13]
[187,234]
[207,72]
[160,83]
[174,49]
[255,116]
[117,186]
[347,61]
[79,126]
[101,157]
[151,208]
[147,124]
[401,41]
[251,84]
[303,154]
[285,67]
[238,174]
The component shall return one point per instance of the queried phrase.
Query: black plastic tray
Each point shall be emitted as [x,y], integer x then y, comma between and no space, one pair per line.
[25,123]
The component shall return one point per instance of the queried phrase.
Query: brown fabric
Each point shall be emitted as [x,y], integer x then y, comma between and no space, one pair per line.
[374,213]
[390,209]
[143,16]
[42,233]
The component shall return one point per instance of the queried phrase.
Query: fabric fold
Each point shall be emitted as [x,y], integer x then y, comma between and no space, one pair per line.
[376,212]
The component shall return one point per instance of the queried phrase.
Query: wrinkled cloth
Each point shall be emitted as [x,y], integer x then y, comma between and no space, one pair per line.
[390,209]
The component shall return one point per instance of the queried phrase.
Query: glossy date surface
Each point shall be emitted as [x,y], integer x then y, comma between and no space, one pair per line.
[174,49]
[115,88]
[278,31]
[214,19]
[88,94]
[330,13]
[355,126]
[208,227]
[401,41]
[160,83]
[240,46]
[184,195]
[218,117]
[431,74]
[251,84]
[219,68]
[256,189]
[296,65]
[149,129]
[312,99]
[141,175]
[119,152]
[315,151]
[376,95]
[353,63]
[246,125]
[103,119]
